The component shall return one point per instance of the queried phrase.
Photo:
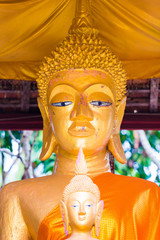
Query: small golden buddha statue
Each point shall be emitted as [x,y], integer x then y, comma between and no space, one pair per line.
[82,99]
[81,207]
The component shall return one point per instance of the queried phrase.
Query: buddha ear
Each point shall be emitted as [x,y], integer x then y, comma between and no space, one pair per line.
[100,206]
[49,141]
[114,144]
[64,214]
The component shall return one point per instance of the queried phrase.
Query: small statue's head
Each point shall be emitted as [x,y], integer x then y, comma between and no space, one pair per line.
[81,207]
[82,97]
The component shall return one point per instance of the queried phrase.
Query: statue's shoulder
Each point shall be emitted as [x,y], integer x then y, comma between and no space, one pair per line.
[135,184]
[139,183]
[9,197]
[18,202]
[9,191]
[28,190]
[19,191]
[15,188]
[126,180]
[141,187]
[11,221]
[11,194]
[127,186]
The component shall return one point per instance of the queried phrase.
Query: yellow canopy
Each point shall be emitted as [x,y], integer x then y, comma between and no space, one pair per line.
[30,29]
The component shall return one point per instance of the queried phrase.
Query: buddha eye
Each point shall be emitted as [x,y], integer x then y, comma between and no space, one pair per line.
[101,103]
[61,104]
[74,206]
[89,205]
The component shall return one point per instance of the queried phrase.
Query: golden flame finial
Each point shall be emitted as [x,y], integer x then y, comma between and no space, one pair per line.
[81,166]
[83,21]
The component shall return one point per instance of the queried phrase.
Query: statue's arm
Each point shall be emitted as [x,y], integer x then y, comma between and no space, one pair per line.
[12,224]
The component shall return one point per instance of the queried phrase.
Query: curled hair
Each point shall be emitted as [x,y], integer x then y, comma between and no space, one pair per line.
[81,183]
[82,51]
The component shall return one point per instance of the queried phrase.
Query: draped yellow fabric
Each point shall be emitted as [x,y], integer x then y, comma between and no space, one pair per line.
[30,29]
[131,211]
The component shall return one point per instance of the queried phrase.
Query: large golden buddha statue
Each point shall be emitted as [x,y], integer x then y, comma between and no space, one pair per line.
[82,101]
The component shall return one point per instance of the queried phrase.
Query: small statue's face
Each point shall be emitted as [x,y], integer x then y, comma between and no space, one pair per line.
[81,207]
[82,109]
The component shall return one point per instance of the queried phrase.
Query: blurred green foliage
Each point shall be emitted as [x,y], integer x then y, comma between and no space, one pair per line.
[138,163]
[5,139]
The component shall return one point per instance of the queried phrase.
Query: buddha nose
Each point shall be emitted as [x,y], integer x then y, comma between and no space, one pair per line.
[81,111]
[81,210]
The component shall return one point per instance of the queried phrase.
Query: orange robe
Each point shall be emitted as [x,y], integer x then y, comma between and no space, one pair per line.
[131,211]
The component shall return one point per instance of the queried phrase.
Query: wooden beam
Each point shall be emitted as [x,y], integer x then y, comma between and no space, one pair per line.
[138,93]
[9,94]
[154,89]
[27,121]
[145,121]
[25,99]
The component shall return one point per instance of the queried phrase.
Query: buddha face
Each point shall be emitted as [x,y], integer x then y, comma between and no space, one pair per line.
[81,208]
[81,106]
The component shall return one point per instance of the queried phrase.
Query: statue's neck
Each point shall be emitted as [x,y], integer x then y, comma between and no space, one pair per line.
[96,164]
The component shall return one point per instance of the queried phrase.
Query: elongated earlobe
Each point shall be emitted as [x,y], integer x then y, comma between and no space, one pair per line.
[114,144]
[49,141]
[100,207]
[64,214]
[115,147]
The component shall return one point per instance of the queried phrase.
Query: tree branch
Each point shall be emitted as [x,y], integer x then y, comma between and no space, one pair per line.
[27,150]
[151,152]
[32,145]
[7,151]
[12,165]
[13,137]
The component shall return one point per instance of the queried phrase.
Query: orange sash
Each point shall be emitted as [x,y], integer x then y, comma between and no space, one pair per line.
[131,211]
